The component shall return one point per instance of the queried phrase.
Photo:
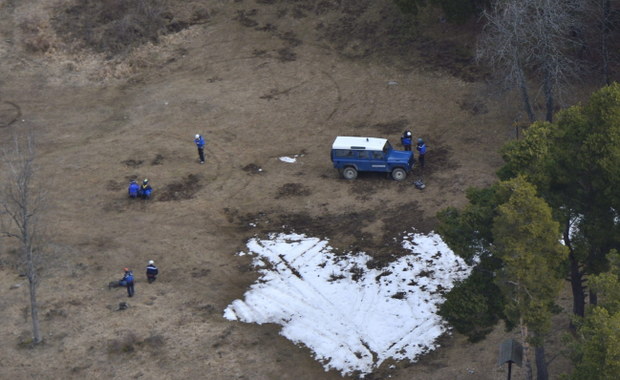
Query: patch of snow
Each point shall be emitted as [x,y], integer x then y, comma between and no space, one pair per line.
[290,160]
[573,229]
[352,318]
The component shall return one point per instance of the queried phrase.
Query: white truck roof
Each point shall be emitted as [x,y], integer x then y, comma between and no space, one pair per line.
[353,142]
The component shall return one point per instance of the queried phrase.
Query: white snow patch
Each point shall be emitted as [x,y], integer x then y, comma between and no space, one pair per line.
[290,160]
[352,318]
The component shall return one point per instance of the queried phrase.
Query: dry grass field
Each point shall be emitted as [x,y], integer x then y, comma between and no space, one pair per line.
[260,79]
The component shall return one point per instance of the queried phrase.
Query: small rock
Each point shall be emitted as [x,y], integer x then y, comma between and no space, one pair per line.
[15,286]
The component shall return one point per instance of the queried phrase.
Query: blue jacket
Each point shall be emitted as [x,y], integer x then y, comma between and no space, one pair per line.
[200,142]
[128,277]
[146,189]
[151,270]
[421,148]
[134,189]
[405,140]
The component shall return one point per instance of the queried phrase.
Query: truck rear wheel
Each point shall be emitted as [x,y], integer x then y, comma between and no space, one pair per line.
[349,173]
[399,174]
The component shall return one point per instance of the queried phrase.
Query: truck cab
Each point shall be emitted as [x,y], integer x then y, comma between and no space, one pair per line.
[351,155]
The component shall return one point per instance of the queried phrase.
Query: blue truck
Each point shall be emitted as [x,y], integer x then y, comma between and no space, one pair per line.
[351,154]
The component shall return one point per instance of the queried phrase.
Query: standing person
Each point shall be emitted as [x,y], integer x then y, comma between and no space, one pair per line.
[128,281]
[151,272]
[146,189]
[200,144]
[134,189]
[422,151]
[405,139]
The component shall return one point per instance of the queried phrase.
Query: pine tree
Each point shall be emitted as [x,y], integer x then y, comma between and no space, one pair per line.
[526,239]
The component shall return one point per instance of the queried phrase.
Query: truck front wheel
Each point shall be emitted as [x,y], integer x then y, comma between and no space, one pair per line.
[399,174]
[349,173]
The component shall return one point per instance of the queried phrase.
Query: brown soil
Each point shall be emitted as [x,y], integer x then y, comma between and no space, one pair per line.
[260,79]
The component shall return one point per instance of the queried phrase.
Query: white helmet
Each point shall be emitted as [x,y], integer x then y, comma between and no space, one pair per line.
[197,136]
[151,262]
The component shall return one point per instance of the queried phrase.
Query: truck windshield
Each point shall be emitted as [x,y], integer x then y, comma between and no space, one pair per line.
[387,147]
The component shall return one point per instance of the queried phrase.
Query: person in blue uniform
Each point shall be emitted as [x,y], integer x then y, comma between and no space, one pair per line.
[421,148]
[200,144]
[145,189]
[134,189]
[151,272]
[128,281]
[405,140]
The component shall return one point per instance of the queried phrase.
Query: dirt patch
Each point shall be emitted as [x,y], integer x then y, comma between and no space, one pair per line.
[113,185]
[252,169]
[243,17]
[158,160]
[129,342]
[375,232]
[132,163]
[116,26]
[474,107]
[185,189]
[391,128]
[9,113]
[452,58]
[292,190]
[438,159]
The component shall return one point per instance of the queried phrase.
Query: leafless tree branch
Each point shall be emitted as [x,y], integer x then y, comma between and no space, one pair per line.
[22,204]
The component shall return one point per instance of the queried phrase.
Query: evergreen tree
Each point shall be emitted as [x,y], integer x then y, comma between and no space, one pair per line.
[596,352]
[526,239]
[575,165]
[474,305]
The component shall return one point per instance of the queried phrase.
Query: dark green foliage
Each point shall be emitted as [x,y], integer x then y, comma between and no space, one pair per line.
[575,165]
[595,350]
[474,306]
[468,231]
[508,233]
[526,239]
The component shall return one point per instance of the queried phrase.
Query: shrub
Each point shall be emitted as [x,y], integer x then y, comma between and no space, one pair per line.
[113,26]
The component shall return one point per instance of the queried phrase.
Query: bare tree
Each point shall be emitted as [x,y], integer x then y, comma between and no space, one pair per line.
[502,47]
[528,41]
[21,206]
[599,33]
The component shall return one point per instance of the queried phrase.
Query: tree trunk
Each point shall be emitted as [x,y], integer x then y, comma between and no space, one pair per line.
[34,313]
[31,273]
[576,282]
[525,96]
[593,297]
[605,28]
[549,101]
[527,364]
[542,372]
[576,277]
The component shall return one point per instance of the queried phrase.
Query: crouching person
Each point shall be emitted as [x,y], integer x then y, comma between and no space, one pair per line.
[151,272]
[134,189]
[146,190]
